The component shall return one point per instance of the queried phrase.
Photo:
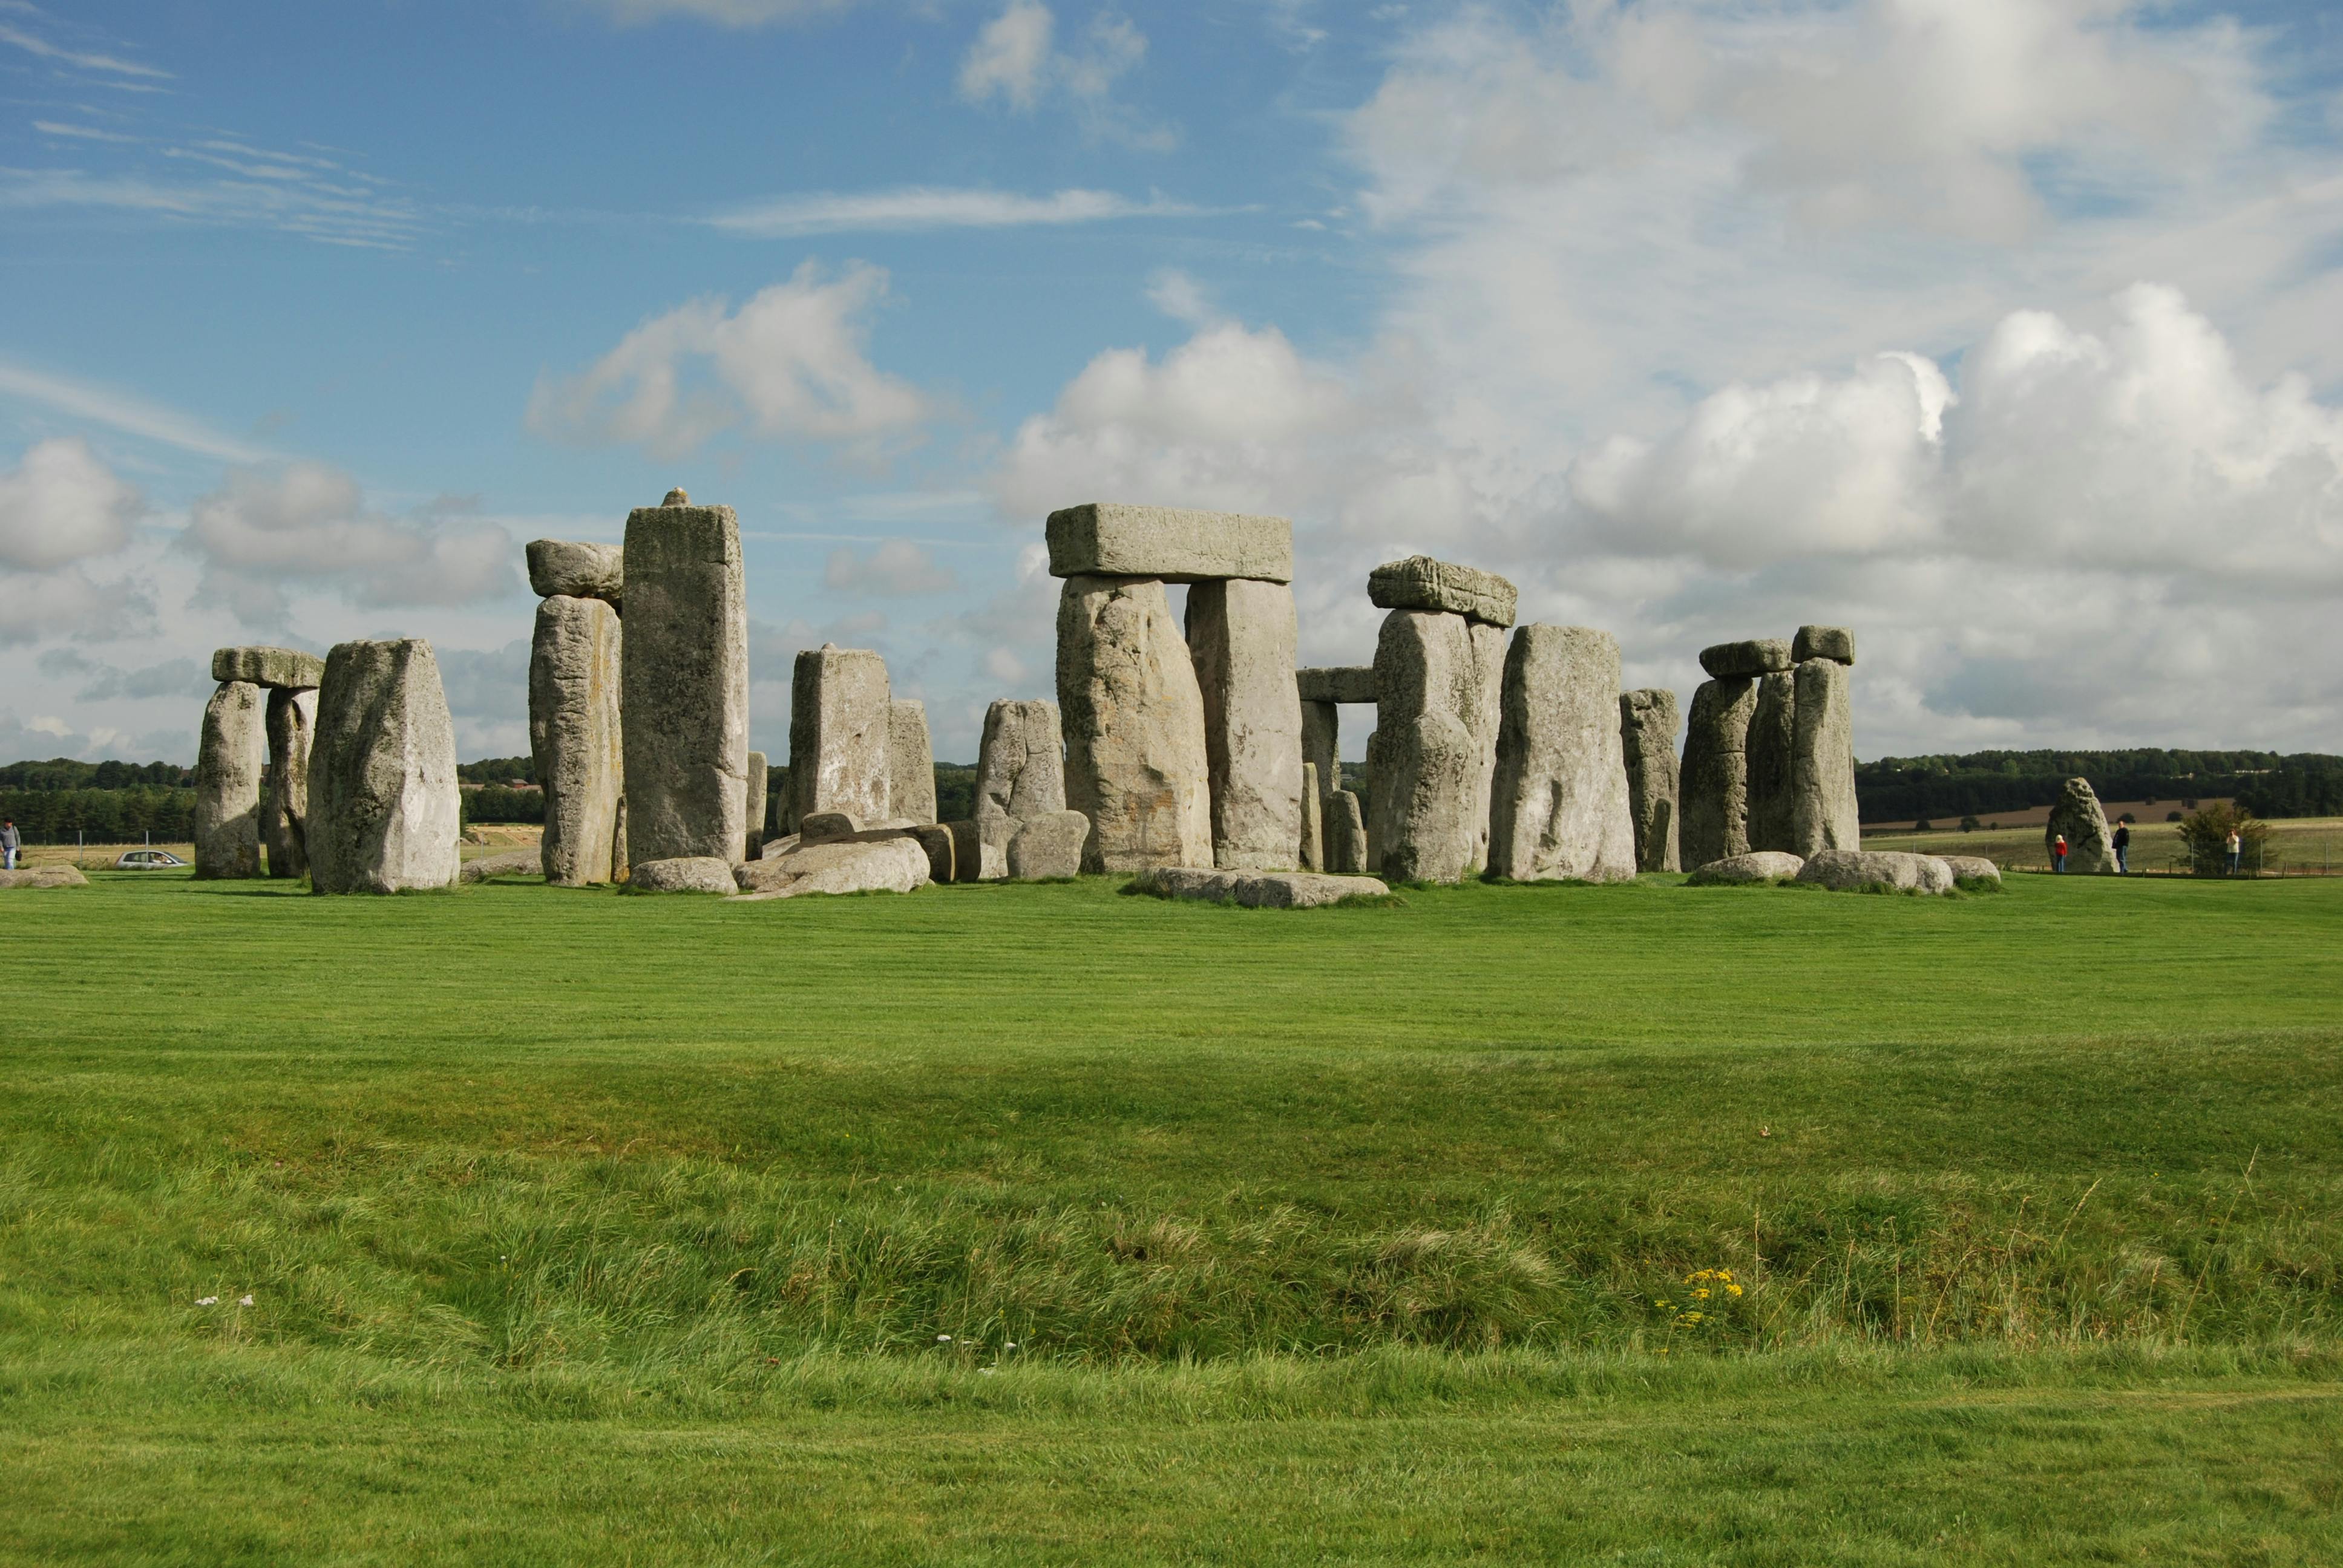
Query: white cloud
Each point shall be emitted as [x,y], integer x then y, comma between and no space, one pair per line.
[312,198]
[88,60]
[125,412]
[1012,59]
[789,364]
[921,208]
[723,13]
[897,569]
[60,504]
[1010,56]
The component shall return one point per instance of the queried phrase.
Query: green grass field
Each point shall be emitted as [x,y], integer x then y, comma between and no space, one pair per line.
[580,1227]
[2297,845]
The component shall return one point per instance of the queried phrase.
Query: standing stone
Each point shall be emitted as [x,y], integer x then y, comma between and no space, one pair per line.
[1134,727]
[911,761]
[2090,848]
[685,662]
[1433,753]
[1825,813]
[1242,636]
[285,804]
[1345,832]
[1321,742]
[1313,841]
[753,806]
[1647,738]
[1770,747]
[1559,810]
[1715,780]
[576,737]
[231,755]
[383,808]
[1021,769]
[842,735]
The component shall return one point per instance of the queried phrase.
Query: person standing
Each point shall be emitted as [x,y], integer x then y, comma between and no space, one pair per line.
[2122,842]
[9,844]
[2237,848]
[2058,853]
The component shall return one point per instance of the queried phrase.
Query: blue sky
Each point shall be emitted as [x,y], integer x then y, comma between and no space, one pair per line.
[2009,334]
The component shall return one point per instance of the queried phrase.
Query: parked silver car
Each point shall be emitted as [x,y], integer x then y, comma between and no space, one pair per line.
[147,860]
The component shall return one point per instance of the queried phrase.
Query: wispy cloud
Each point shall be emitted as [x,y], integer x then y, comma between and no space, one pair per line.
[930,206]
[125,412]
[268,193]
[43,49]
[80,132]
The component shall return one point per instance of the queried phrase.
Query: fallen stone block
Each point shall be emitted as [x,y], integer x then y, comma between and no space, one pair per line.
[286,668]
[684,874]
[1853,870]
[942,846]
[1421,582]
[975,857]
[1170,544]
[560,568]
[1049,845]
[1353,683]
[1756,866]
[36,878]
[1747,660]
[523,862]
[1256,890]
[1973,868]
[894,862]
[1836,643]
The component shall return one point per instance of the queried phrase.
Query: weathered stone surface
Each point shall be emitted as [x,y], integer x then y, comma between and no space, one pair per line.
[1256,890]
[576,738]
[1134,727]
[911,761]
[974,858]
[383,806]
[1747,660]
[1648,722]
[867,863]
[1336,683]
[528,861]
[1321,743]
[1049,845]
[754,807]
[942,846]
[1432,755]
[1836,643]
[292,723]
[685,664]
[1313,843]
[571,570]
[1847,871]
[2090,848]
[288,668]
[231,759]
[829,826]
[1345,832]
[1558,810]
[1170,544]
[1421,582]
[684,874]
[1823,811]
[1771,747]
[1756,866]
[1021,763]
[1972,868]
[37,879]
[1714,799]
[1242,636]
[841,734]
[775,848]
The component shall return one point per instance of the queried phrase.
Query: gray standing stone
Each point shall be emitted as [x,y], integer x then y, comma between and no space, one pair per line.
[754,806]
[285,803]
[1321,742]
[841,734]
[910,760]
[2090,847]
[1346,832]
[1242,636]
[383,806]
[1747,660]
[1134,727]
[576,738]
[1048,845]
[1314,839]
[686,682]
[1559,808]
[1021,762]
[1771,749]
[1421,582]
[1648,722]
[286,668]
[231,757]
[1336,683]
[1432,755]
[1825,813]
[1715,780]
[1836,643]
[557,568]
[1170,544]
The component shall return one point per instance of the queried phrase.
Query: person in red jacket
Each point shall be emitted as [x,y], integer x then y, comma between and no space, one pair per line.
[2058,853]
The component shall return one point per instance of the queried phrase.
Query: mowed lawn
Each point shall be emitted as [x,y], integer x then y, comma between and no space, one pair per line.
[1041,1224]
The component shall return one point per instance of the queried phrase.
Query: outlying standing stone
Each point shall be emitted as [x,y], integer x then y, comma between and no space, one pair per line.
[1558,809]
[576,740]
[685,663]
[231,757]
[1134,727]
[1714,799]
[285,803]
[559,567]
[842,729]
[1421,582]
[383,805]
[1432,755]
[1170,544]
[1756,866]
[911,761]
[1648,722]
[1851,871]
[1241,635]
[1256,890]
[2090,847]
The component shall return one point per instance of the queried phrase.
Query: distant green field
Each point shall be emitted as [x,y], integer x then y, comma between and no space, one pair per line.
[591,1228]
[2296,845]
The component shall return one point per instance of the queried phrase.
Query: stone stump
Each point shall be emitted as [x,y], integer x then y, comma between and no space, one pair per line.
[841,733]
[685,682]
[910,760]
[285,804]
[1134,727]
[1242,635]
[2090,847]
[231,758]
[1559,808]
[383,806]
[576,737]
[1647,737]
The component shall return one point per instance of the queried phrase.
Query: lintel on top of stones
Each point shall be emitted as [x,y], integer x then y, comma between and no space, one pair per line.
[288,668]
[1337,683]
[1170,544]
[1747,659]
[1420,582]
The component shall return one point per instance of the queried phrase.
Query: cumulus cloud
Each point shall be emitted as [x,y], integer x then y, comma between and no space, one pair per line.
[266,532]
[789,365]
[1010,56]
[1013,60]
[61,504]
[897,569]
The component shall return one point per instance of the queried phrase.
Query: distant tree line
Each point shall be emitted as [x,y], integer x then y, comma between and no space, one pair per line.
[65,773]
[2266,783]
[120,816]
